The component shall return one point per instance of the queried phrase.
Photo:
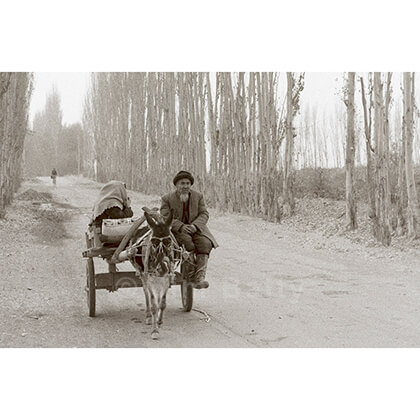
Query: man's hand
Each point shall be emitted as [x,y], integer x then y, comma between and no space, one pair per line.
[190,229]
[193,228]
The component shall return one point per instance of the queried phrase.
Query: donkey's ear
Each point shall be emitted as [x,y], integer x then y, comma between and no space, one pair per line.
[150,220]
[169,219]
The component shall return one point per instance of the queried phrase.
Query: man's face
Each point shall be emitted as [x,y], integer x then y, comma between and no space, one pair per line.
[183,186]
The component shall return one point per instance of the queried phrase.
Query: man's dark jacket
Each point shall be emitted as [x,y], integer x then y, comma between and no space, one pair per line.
[198,214]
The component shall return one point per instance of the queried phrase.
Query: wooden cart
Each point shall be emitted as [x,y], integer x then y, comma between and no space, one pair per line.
[114,279]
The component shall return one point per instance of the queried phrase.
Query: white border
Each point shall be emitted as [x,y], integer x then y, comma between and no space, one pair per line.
[209,384]
[227,35]
[218,35]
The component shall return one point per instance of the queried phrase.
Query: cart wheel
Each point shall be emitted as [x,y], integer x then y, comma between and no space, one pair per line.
[187,295]
[91,287]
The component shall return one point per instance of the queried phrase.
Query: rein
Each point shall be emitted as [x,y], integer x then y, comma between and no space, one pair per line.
[161,239]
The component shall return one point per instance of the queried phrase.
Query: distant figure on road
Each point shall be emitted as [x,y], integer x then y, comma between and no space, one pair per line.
[54,175]
[190,223]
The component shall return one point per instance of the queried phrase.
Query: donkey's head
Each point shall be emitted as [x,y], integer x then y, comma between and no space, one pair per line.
[161,252]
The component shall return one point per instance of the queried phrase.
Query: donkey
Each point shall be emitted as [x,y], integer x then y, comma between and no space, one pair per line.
[158,267]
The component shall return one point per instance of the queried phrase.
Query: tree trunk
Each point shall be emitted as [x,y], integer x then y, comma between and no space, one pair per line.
[413,216]
[351,208]
[401,185]
[367,118]
[15,92]
[288,199]
[382,226]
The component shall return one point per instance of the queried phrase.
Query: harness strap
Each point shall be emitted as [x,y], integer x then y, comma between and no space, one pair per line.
[146,259]
[158,248]
[161,239]
[184,255]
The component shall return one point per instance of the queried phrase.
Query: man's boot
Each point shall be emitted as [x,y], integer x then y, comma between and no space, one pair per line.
[200,273]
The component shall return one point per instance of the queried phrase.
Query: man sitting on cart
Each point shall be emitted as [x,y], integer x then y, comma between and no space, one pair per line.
[189,225]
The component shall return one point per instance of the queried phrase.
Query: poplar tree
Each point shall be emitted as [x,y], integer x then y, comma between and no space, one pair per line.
[413,212]
[351,208]
[382,227]
[15,93]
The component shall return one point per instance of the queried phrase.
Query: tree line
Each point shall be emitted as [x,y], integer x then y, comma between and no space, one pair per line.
[393,207]
[15,94]
[51,143]
[231,130]
[239,133]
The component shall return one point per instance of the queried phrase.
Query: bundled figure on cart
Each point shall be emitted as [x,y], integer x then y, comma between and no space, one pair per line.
[112,203]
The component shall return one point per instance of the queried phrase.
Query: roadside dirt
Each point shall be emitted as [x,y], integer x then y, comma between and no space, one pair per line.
[271,285]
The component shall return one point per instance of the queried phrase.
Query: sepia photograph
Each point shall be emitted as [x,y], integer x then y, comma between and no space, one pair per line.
[254,209]
[209,210]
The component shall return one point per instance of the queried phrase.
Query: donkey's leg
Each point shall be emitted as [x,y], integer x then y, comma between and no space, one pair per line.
[148,311]
[162,307]
[155,331]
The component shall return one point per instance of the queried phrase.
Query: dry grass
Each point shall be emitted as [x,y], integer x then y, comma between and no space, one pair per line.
[328,217]
[44,221]
[37,196]
[49,223]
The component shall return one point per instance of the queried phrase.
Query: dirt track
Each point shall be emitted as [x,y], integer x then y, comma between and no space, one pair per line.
[268,288]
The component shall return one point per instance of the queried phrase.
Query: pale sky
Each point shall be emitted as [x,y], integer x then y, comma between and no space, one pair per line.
[320,89]
[71,87]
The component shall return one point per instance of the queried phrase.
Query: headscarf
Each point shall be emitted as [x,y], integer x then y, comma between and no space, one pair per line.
[112,194]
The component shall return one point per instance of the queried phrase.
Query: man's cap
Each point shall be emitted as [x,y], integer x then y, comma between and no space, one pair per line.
[182,175]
